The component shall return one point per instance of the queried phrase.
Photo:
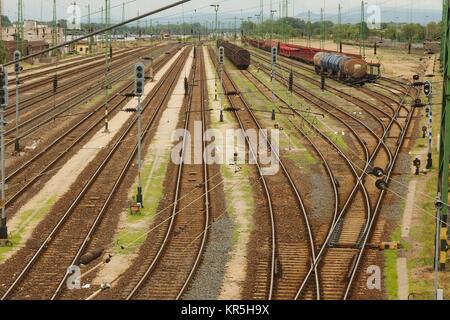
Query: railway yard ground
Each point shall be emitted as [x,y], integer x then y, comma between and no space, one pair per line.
[254,186]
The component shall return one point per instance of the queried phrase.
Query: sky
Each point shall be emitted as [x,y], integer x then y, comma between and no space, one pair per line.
[201,10]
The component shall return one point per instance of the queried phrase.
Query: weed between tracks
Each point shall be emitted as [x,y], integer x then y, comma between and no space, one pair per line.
[326,125]
[134,231]
[100,97]
[26,221]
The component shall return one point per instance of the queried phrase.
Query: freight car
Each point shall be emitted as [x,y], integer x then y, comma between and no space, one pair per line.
[341,67]
[238,56]
[348,68]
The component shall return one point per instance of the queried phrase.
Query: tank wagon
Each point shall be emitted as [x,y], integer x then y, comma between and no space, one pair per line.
[238,56]
[341,67]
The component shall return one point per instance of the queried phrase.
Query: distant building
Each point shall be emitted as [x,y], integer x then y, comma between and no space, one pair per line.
[33,31]
[29,47]
[82,47]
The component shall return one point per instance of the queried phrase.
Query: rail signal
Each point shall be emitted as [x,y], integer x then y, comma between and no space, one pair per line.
[221,55]
[139,79]
[17,67]
[291,81]
[3,89]
[427,88]
[274,55]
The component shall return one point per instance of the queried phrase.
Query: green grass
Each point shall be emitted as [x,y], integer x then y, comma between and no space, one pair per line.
[390,269]
[260,102]
[100,97]
[26,218]
[136,225]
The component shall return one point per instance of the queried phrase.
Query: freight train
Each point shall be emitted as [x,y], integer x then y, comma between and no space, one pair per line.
[341,67]
[238,56]
[348,68]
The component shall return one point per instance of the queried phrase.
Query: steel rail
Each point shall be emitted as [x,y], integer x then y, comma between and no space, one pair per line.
[285,171]
[378,205]
[358,182]
[55,142]
[84,190]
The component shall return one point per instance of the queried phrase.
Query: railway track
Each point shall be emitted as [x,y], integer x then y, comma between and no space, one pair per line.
[38,166]
[167,274]
[342,192]
[291,241]
[347,258]
[375,112]
[44,274]
[30,82]
[53,106]
[58,66]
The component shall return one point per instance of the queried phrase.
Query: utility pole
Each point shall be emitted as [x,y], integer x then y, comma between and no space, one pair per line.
[309,29]
[19,27]
[216,9]
[261,11]
[362,44]
[91,39]
[1,22]
[444,31]
[138,25]
[322,30]
[339,30]
[107,58]
[17,72]
[274,50]
[258,17]
[54,29]
[3,106]
[235,29]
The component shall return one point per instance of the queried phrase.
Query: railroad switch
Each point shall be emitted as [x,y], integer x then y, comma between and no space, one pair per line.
[395,245]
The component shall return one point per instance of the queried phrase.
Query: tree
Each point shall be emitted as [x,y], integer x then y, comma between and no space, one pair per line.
[6,22]
[434,30]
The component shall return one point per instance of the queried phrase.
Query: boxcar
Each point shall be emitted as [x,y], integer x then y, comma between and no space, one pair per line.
[238,56]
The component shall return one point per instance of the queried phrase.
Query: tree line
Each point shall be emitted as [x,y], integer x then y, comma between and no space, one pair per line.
[292,27]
